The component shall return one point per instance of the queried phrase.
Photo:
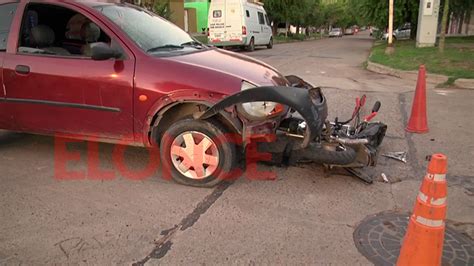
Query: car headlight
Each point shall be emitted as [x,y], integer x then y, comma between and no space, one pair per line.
[258,110]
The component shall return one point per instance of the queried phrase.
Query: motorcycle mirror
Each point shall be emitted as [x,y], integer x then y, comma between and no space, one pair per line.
[376,107]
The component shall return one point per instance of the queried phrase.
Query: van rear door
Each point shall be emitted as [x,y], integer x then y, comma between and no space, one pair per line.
[217,21]
[225,21]
[233,20]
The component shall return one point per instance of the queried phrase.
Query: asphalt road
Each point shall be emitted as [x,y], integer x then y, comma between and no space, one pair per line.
[305,216]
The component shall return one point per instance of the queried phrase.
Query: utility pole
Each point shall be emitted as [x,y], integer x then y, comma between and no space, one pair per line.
[427,23]
[390,49]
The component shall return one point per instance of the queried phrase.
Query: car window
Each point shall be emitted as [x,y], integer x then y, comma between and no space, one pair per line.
[150,32]
[7,12]
[267,20]
[58,31]
[217,13]
[261,19]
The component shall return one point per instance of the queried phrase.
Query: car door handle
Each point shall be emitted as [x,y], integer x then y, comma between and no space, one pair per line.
[21,69]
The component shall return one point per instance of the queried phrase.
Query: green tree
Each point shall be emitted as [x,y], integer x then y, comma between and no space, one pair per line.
[162,8]
[281,11]
[375,13]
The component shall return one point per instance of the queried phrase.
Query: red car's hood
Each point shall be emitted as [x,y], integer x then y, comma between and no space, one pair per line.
[237,65]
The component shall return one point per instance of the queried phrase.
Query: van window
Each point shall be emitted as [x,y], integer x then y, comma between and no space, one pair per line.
[7,12]
[261,19]
[267,20]
[248,13]
[217,14]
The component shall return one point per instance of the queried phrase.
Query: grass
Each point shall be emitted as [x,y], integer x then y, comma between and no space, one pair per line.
[456,62]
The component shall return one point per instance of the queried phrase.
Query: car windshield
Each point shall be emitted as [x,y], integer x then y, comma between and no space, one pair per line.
[150,32]
[336,29]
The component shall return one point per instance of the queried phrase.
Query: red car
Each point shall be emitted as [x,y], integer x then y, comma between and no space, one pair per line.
[116,73]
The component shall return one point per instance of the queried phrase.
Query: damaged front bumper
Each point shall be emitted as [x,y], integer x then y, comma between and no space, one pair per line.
[303,133]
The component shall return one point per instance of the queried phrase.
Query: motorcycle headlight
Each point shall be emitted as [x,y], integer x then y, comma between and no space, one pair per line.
[258,110]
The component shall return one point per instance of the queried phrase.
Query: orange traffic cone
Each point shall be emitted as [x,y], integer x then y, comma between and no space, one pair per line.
[423,242]
[418,122]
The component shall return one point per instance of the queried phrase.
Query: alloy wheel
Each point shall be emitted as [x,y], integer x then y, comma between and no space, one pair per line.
[194,155]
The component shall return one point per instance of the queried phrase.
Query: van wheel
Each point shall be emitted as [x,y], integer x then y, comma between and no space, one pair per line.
[270,44]
[251,46]
[197,153]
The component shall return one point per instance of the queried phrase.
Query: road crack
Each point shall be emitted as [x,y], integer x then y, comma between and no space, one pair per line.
[163,245]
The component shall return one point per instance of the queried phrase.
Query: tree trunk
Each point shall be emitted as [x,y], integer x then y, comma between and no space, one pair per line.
[461,23]
[287,28]
[297,29]
[468,21]
[444,21]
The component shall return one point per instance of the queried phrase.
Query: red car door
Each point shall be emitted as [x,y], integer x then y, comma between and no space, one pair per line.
[68,93]
[7,14]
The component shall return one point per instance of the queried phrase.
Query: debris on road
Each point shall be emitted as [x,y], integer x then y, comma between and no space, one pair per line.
[384,177]
[362,176]
[399,155]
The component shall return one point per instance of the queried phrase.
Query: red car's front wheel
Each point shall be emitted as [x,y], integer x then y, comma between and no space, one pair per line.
[197,153]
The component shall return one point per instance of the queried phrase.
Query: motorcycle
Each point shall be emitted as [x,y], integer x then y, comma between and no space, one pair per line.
[304,134]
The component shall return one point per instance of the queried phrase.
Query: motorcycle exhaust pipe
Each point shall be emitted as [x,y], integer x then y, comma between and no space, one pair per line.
[324,156]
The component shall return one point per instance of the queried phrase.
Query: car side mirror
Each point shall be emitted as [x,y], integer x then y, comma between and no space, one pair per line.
[101,51]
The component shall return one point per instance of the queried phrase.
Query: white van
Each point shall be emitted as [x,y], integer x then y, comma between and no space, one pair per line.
[239,23]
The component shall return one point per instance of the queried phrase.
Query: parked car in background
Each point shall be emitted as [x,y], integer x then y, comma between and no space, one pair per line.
[239,23]
[401,33]
[335,32]
[349,31]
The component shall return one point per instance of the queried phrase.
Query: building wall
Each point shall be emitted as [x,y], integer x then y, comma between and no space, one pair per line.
[177,12]
[202,12]
[191,19]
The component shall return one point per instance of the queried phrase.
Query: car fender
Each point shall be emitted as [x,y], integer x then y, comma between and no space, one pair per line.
[169,101]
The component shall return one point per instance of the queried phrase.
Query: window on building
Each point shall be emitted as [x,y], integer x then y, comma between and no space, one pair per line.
[248,13]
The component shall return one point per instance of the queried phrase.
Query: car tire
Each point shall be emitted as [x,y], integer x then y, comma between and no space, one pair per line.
[221,151]
[270,44]
[251,46]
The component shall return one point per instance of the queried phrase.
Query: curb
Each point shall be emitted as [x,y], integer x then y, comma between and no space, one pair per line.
[403,74]
[294,40]
[464,83]
[413,75]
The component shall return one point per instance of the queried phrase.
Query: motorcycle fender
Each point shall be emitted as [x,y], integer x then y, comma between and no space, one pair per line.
[309,103]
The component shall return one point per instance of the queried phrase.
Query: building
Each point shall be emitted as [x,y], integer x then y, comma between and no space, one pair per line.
[175,9]
[196,13]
